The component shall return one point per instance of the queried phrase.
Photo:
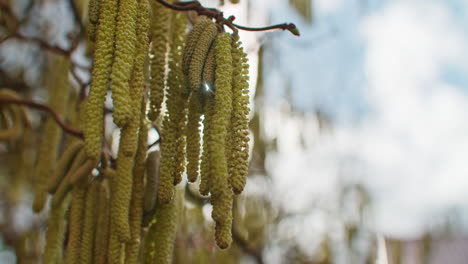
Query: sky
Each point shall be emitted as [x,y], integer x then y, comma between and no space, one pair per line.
[392,78]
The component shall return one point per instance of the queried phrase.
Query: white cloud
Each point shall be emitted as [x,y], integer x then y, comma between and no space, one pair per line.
[416,143]
[413,146]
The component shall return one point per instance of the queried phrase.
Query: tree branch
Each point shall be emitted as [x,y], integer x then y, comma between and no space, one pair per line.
[42,107]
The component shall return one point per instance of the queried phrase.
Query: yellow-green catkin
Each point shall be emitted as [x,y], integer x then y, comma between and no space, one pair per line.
[199,55]
[205,168]
[13,131]
[221,115]
[89,223]
[65,185]
[193,138]
[58,84]
[103,58]
[221,193]
[63,164]
[238,161]
[177,88]
[129,134]
[136,204]
[159,34]
[75,225]
[93,17]
[152,179]
[222,214]
[56,229]
[209,68]
[173,145]
[125,42]
[83,171]
[101,238]
[161,235]
[192,41]
[114,249]
[11,117]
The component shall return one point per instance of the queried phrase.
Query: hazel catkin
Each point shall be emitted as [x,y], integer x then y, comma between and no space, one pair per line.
[173,145]
[125,41]
[89,223]
[138,191]
[220,118]
[199,55]
[63,164]
[238,160]
[103,58]
[75,225]
[193,138]
[161,235]
[158,51]
[192,41]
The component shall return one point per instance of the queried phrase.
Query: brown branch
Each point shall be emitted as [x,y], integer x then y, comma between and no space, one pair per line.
[219,17]
[42,107]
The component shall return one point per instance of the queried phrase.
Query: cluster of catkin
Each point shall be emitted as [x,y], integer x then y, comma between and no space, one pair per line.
[211,87]
[126,210]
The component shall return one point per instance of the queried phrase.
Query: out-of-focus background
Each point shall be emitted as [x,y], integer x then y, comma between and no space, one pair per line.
[359,133]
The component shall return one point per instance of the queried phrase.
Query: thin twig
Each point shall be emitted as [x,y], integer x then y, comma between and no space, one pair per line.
[42,107]
[219,17]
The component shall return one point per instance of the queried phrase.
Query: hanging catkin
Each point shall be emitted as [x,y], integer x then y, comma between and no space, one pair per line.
[161,235]
[174,142]
[198,57]
[192,40]
[136,204]
[101,239]
[238,160]
[65,185]
[11,117]
[48,149]
[176,86]
[129,134]
[205,167]
[193,137]
[93,17]
[63,165]
[56,229]
[75,225]
[220,118]
[221,192]
[159,46]
[125,41]
[89,223]
[103,58]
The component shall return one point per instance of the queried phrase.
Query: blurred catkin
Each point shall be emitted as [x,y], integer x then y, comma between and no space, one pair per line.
[58,83]
[89,223]
[56,230]
[75,225]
